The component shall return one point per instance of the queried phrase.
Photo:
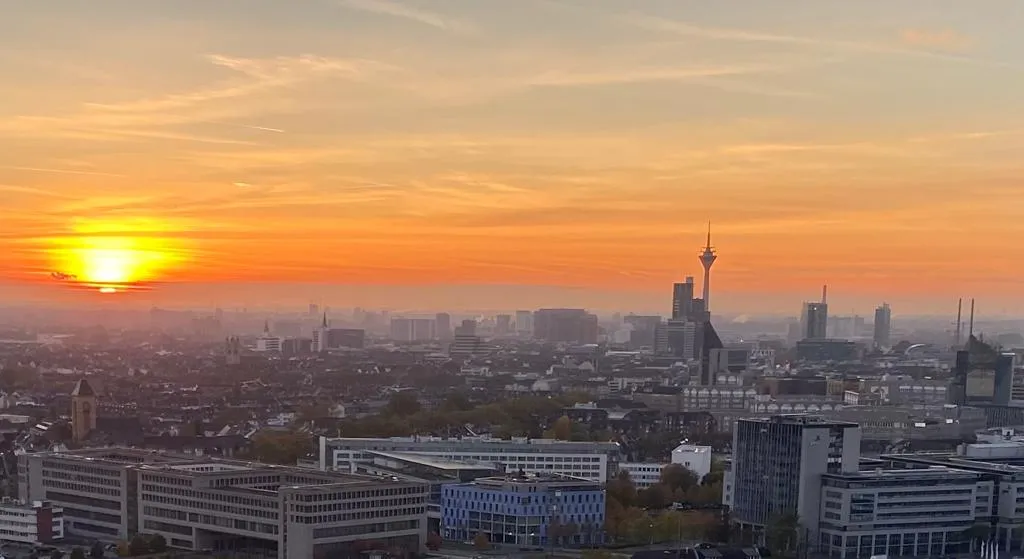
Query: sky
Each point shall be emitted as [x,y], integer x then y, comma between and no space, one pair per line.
[463,152]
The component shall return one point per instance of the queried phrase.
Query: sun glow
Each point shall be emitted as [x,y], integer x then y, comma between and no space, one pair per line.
[113,263]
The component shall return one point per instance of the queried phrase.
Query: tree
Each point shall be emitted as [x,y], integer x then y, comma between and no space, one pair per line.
[561,430]
[97,551]
[402,404]
[480,542]
[280,447]
[124,549]
[157,544]
[656,496]
[138,546]
[77,553]
[56,554]
[596,554]
[621,490]
[677,476]
[434,541]
[782,534]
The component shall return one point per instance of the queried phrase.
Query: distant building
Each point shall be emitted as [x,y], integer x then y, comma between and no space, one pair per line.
[643,474]
[522,510]
[351,338]
[413,329]
[982,375]
[823,350]
[524,323]
[232,351]
[814,321]
[682,300]
[778,464]
[883,326]
[503,325]
[443,325]
[319,344]
[83,411]
[565,325]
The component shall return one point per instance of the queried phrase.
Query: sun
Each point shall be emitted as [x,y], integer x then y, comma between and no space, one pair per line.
[112,263]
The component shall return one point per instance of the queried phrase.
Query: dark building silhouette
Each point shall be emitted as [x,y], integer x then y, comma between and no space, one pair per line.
[565,325]
[982,375]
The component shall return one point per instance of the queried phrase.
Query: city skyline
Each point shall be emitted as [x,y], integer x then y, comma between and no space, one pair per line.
[560,154]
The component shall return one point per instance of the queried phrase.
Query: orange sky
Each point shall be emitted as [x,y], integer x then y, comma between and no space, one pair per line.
[577,149]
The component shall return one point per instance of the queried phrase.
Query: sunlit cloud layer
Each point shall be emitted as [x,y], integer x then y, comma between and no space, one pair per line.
[873,145]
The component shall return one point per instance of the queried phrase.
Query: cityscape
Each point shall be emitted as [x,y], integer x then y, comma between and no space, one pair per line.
[544,279]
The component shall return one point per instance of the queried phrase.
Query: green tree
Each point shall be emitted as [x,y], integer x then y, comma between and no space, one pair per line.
[77,553]
[677,476]
[280,447]
[782,534]
[655,497]
[621,490]
[157,543]
[402,404]
[480,542]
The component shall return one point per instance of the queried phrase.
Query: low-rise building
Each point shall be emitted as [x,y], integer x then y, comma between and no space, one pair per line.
[696,458]
[642,474]
[526,510]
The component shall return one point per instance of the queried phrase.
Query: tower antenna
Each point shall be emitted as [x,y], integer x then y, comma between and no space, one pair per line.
[959,321]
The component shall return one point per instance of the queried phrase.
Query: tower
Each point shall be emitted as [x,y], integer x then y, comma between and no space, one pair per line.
[83,411]
[321,335]
[883,325]
[707,258]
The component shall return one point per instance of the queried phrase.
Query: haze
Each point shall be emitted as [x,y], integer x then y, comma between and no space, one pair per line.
[462,152]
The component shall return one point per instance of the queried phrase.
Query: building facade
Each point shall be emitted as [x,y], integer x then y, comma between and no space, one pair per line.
[39,522]
[778,463]
[594,461]
[642,474]
[525,510]
[222,505]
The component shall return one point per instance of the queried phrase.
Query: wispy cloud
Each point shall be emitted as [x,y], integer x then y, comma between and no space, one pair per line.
[59,171]
[403,11]
[945,39]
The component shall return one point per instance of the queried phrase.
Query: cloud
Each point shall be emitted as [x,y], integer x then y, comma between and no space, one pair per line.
[398,10]
[945,39]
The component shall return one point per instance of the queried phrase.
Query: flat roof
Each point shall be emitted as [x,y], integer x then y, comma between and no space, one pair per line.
[424,460]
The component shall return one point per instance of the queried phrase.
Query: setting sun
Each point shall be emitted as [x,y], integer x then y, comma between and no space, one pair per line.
[112,263]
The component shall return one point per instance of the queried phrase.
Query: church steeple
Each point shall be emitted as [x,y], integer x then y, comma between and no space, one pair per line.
[83,410]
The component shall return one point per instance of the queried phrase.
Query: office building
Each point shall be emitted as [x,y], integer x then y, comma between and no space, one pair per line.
[565,326]
[443,325]
[222,505]
[412,329]
[814,321]
[982,375]
[268,342]
[525,510]
[778,464]
[346,338]
[642,330]
[38,522]
[826,350]
[696,458]
[589,460]
[503,325]
[883,326]
[901,513]
[683,338]
[466,345]
[728,360]
[682,300]
[524,323]
[643,474]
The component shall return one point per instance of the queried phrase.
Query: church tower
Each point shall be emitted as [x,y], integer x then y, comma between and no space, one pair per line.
[83,411]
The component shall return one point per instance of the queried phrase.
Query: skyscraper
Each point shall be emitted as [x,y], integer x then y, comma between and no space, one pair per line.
[443,325]
[883,326]
[814,321]
[682,299]
[707,258]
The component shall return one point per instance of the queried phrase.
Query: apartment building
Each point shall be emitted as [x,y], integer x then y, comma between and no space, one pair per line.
[594,461]
[224,505]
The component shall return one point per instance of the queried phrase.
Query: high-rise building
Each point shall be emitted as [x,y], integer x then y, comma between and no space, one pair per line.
[883,326]
[503,325]
[412,329]
[351,338]
[443,325]
[524,323]
[778,463]
[682,299]
[814,321]
[565,325]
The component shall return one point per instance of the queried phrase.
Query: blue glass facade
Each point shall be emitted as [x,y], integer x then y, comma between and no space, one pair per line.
[524,512]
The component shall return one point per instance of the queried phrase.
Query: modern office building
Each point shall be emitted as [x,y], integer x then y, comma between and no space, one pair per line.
[565,326]
[682,300]
[883,326]
[778,462]
[38,522]
[525,510]
[982,376]
[346,338]
[588,460]
[901,513]
[524,323]
[824,350]
[222,505]
[502,325]
[814,321]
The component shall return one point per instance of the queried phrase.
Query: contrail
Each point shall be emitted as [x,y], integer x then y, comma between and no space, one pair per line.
[61,171]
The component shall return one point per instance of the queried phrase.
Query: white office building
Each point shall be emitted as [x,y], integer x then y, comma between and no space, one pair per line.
[696,458]
[594,461]
[39,522]
[643,474]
